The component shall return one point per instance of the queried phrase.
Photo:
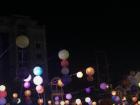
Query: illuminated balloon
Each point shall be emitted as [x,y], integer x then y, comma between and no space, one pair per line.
[2,88]
[3,101]
[22,41]
[40,89]
[64,63]
[37,71]
[60,83]
[40,101]
[15,95]
[37,80]
[28,78]
[69,96]
[63,54]
[79,74]
[65,71]
[26,85]
[90,71]
[27,93]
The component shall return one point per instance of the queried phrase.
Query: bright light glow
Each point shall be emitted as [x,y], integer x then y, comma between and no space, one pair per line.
[63,54]
[90,71]
[2,88]
[26,84]
[68,96]
[15,95]
[114,92]
[67,102]
[94,103]
[56,98]
[134,98]
[78,101]
[56,102]
[40,89]
[79,74]
[49,102]
[28,78]
[62,103]
[87,100]
[37,80]
[40,101]
[60,83]
[27,93]
[37,71]
[138,102]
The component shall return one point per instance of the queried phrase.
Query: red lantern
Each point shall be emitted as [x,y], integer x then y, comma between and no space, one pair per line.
[3,94]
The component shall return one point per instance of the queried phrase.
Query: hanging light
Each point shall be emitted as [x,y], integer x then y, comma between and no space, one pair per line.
[60,83]
[90,71]
[2,87]
[15,95]
[37,70]
[37,80]
[79,74]
[78,101]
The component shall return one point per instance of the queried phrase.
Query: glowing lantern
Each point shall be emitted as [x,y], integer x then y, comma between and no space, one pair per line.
[2,88]
[3,101]
[40,101]
[38,80]
[79,74]
[63,54]
[62,103]
[26,84]
[78,101]
[65,71]
[60,83]
[49,102]
[27,93]
[40,89]
[114,92]
[56,98]
[3,94]
[103,86]
[56,102]
[68,96]
[94,103]
[15,95]
[88,90]
[90,71]
[134,99]
[37,71]
[138,102]
[64,63]
[22,41]
[67,102]
[87,100]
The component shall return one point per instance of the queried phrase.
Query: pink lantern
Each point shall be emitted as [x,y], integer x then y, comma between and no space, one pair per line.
[26,84]
[3,94]
[39,89]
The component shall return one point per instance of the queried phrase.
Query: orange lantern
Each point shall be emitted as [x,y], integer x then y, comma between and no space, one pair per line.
[90,71]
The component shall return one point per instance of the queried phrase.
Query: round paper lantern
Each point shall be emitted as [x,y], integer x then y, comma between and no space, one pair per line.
[63,54]
[2,88]
[117,99]
[49,102]
[40,101]
[56,98]
[78,101]
[62,103]
[60,83]
[40,89]
[90,71]
[56,102]
[67,102]
[27,93]
[3,101]
[103,86]
[37,71]
[79,74]
[114,92]
[87,99]
[22,41]
[64,63]
[3,94]
[94,103]
[37,80]
[65,71]
[26,84]
[15,95]
[69,96]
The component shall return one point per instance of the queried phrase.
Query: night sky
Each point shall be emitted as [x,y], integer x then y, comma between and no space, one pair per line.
[83,33]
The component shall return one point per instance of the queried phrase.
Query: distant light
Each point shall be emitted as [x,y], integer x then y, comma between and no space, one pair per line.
[87,100]
[2,88]
[15,95]
[26,84]
[138,102]
[62,103]
[67,102]
[27,93]
[49,102]
[56,102]
[90,71]
[114,92]
[56,98]
[134,98]
[88,90]
[40,89]
[40,101]
[60,83]
[37,71]
[94,103]
[78,101]
[69,96]
[103,86]
[79,74]
[37,80]
[63,54]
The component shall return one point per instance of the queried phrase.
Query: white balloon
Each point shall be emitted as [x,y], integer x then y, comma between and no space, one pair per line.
[28,78]
[22,41]
[63,54]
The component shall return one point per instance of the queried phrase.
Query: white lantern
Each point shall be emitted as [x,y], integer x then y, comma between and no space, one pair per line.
[79,74]
[37,80]
[22,41]
[63,54]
